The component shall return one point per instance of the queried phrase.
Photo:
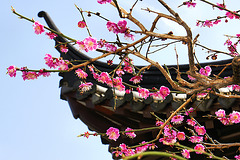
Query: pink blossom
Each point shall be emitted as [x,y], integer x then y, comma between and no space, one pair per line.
[217,21]
[128,69]
[168,140]
[181,136]
[233,50]
[122,24]
[238,35]
[200,148]
[120,72]
[130,134]
[164,91]
[62,65]
[63,48]
[169,132]
[231,15]
[143,92]
[117,82]
[51,35]
[81,74]
[190,4]
[95,75]
[237,157]
[228,42]
[85,86]
[200,130]
[234,117]
[120,27]
[128,91]
[11,71]
[202,95]
[110,47]
[191,122]
[49,61]
[224,120]
[206,71]
[128,35]
[186,153]
[142,148]
[178,119]
[123,146]
[90,43]
[86,134]
[198,23]
[101,43]
[190,110]
[29,75]
[221,5]
[156,94]
[126,151]
[220,113]
[136,79]
[82,46]
[196,139]
[236,88]
[91,68]
[159,123]
[113,133]
[207,23]
[152,146]
[38,28]
[111,26]
[81,24]
[104,77]
[44,74]
[128,61]
[104,1]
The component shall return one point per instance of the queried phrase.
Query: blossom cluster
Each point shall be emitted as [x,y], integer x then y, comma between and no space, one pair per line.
[232,47]
[104,77]
[124,150]
[189,4]
[117,82]
[84,87]
[113,133]
[232,118]
[171,136]
[39,29]
[109,47]
[128,65]
[88,44]
[206,71]
[31,75]
[56,62]
[120,27]
[210,23]
[26,74]
[162,93]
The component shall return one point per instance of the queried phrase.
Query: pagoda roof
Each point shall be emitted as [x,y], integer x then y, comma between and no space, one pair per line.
[103,107]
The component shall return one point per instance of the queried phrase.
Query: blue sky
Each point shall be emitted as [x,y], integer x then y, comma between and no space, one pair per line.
[35,122]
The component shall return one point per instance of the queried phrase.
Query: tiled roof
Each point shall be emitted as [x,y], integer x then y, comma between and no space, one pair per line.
[99,108]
